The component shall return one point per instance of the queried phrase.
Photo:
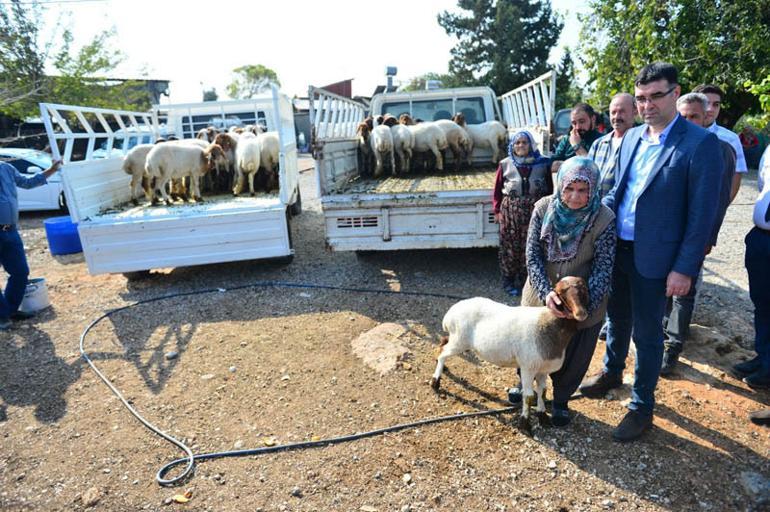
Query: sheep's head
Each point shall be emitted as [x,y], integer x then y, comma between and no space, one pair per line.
[389,120]
[405,119]
[363,131]
[215,157]
[225,141]
[573,293]
[369,122]
[459,118]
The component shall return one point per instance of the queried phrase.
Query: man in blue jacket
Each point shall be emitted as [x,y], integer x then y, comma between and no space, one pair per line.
[12,256]
[667,183]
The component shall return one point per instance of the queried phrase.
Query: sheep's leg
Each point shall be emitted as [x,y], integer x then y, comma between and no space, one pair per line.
[136,186]
[528,400]
[407,161]
[495,152]
[378,164]
[392,162]
[447,350]
[195,185]
[239,183]
[457,155]
[251,183]
[439,158]
[542,416]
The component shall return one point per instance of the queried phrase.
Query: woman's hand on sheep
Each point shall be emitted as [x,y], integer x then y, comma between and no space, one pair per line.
[553,302]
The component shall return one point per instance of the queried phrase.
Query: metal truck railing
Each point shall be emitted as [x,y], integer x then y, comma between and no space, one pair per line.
[333,116]
[532,104]
[94,125]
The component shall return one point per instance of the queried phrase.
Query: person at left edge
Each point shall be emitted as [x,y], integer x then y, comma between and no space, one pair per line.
[12,256]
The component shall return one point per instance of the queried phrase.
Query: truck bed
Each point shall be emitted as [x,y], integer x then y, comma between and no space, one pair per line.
[473,179]
[211,205]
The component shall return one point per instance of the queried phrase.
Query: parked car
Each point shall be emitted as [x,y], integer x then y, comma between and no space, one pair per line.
[30,162]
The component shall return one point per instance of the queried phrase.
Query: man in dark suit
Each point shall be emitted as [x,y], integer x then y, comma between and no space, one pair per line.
[668,181]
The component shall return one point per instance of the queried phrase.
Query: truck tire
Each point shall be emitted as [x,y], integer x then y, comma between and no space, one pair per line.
[296,208]
[138,275]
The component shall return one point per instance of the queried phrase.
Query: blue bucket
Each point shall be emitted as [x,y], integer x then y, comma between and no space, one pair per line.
[62,235]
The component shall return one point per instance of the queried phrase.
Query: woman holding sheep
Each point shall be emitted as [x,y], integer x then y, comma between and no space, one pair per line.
[571,234]
[522,179]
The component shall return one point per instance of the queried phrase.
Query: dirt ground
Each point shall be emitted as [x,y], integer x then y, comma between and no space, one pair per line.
[266,365]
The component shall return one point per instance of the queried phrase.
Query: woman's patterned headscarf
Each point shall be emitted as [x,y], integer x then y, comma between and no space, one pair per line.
[534,155]
[563,228]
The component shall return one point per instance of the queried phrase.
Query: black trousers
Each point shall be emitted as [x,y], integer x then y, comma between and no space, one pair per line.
[576,362]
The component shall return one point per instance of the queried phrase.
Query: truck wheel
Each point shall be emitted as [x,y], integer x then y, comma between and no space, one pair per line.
[138,275]
[296,208]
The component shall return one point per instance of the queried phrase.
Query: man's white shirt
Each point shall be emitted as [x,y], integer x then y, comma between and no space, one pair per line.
[731,138]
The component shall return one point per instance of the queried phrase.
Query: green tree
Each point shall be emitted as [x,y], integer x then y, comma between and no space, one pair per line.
[724,43]
[503,43]
[248,80]
[568,92]
[79,74]
[418,83]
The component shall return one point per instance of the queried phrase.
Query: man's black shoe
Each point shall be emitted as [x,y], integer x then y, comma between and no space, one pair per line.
[632,426]
[598,385]
[758,380]
[761,417]
[670,361]
[22,315]
[746,368]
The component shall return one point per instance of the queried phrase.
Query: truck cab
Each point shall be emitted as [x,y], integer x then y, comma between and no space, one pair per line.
[478,104]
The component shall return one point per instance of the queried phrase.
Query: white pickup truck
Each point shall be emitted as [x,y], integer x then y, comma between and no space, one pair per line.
[421,211]
[119,237]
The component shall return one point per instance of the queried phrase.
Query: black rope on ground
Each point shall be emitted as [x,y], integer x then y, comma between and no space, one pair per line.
[191,457]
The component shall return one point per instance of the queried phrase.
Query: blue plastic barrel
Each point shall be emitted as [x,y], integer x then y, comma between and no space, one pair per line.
[62,235]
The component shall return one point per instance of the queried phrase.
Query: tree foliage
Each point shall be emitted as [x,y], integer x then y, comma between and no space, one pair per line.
[568,92]
[710,41]
[80,74]
[418,83]
[249,80]
[502,43]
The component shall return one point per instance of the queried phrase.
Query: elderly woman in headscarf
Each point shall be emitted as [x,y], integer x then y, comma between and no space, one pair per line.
[522,178]
[571,234]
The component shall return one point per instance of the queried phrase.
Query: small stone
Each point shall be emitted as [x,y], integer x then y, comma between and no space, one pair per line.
[244,343]
[106,470]
[20,476]
[407,478]
[238,444]
[232,369]
[296,492]
[552,464]
[91,497]
[208,376]
[285,377]
[608,504]
[172,355]
[367,508]
[406,508]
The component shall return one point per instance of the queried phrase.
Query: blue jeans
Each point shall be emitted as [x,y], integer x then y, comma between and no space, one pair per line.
[758,267]
[636,305]
[14,261]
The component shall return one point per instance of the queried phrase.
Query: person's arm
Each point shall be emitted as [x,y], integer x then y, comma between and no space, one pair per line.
[36,180]
[538,277]
[761,215]
[736,185]
[601,268]
[497,193]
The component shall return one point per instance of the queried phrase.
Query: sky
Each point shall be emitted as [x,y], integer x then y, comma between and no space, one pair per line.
[196,45]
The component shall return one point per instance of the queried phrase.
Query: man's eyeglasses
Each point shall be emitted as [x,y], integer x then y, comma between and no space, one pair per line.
[654,97]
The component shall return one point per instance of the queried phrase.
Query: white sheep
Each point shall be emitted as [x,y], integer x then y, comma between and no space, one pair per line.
[168,161]
[458,139]
[429,138]
[403,142]
[381,141]
[269,147]
[133,165]
[491,134]
[247,159]
[532,339]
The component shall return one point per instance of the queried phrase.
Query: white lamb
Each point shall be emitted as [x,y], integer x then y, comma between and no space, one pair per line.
[168,161]
[269,148]
[529,338]
[247,159]
[403,142]
[458,139]
[492,135]
[381,141]
[429,138]
[133,165]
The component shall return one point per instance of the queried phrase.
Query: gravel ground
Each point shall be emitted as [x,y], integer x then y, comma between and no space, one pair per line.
[264,366]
